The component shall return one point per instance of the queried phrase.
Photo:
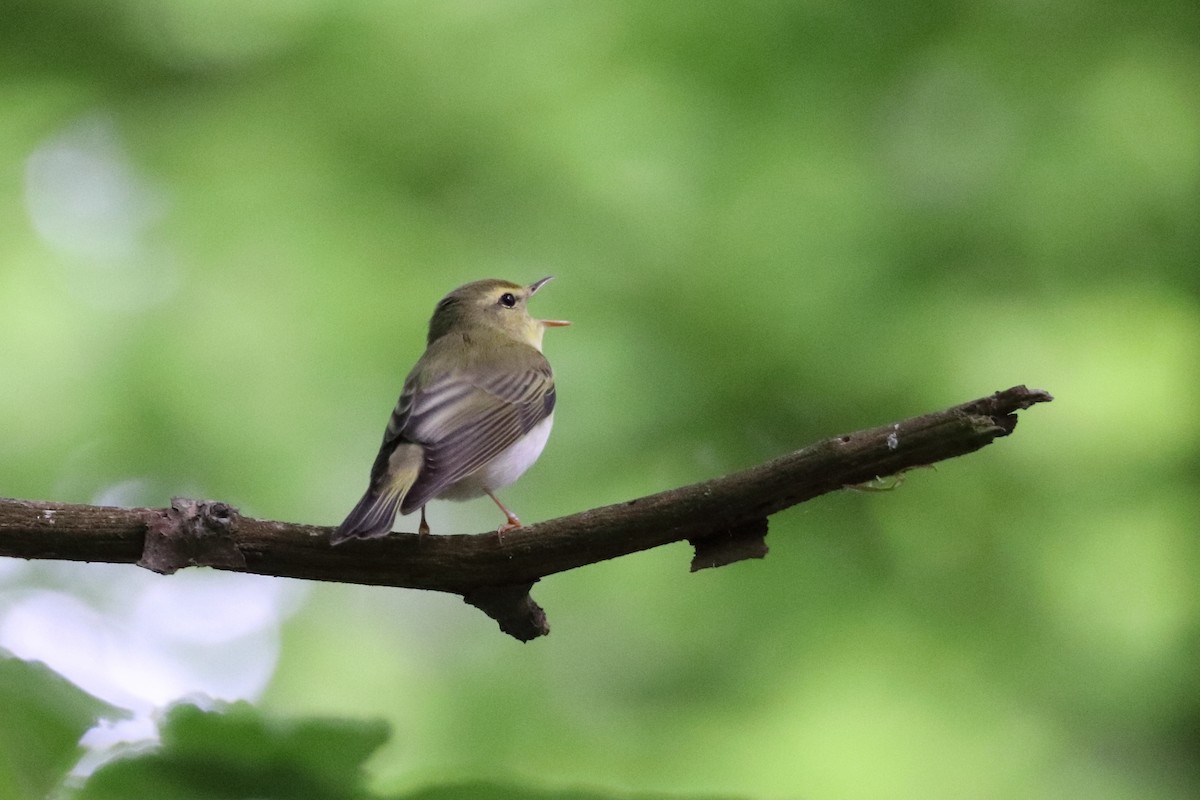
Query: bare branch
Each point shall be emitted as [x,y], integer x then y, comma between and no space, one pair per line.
[725,519]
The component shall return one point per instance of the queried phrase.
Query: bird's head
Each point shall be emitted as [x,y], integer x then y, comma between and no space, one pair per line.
[489,306]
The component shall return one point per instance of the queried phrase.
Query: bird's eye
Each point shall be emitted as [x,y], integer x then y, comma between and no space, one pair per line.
[508,300]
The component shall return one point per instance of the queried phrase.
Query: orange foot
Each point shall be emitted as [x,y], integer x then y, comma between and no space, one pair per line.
[512,524]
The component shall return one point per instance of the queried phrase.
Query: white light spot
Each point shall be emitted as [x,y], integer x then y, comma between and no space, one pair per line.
[124,494]
[893,439]
[87,202]
[160,639]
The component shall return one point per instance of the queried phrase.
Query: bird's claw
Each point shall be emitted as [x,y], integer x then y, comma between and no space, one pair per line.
[512,524]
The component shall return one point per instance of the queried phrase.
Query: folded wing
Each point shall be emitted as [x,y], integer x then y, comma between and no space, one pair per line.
[462,420]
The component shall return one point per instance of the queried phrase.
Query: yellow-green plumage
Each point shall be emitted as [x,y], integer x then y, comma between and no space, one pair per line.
[474,413]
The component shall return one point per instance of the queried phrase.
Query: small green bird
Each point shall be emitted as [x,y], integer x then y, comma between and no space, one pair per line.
[474,414]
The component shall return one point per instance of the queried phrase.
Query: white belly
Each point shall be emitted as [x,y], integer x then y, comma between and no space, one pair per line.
[505,468]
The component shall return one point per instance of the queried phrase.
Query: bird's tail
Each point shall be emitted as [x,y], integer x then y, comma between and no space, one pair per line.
[393,475]
[372,517]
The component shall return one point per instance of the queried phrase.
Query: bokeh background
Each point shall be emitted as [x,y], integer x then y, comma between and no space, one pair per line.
[223,227]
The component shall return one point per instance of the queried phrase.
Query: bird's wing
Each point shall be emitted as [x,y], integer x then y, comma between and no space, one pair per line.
[462,421]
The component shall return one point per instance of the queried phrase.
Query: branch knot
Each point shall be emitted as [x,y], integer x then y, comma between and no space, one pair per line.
[192,533]
[513,608]
[746,539]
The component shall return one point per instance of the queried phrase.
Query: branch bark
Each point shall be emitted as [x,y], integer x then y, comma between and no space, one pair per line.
[725,520]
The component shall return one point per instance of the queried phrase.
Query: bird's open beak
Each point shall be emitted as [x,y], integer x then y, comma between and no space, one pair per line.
[549,323]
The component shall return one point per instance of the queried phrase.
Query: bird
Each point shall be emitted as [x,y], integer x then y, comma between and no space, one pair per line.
[474,414]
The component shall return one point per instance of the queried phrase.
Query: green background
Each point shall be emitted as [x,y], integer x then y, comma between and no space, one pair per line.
[223,227]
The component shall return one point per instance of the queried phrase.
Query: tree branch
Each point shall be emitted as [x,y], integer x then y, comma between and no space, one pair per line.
[725,519]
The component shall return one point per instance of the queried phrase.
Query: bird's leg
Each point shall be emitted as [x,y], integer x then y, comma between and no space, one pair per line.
[513,522]
[423,528]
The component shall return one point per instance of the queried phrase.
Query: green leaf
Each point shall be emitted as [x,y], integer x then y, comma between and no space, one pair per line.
[42,719]
[237,752]
[507,791]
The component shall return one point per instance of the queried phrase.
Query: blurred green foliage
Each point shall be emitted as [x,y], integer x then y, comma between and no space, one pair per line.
[236,752]
[44,717]
[223,229]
